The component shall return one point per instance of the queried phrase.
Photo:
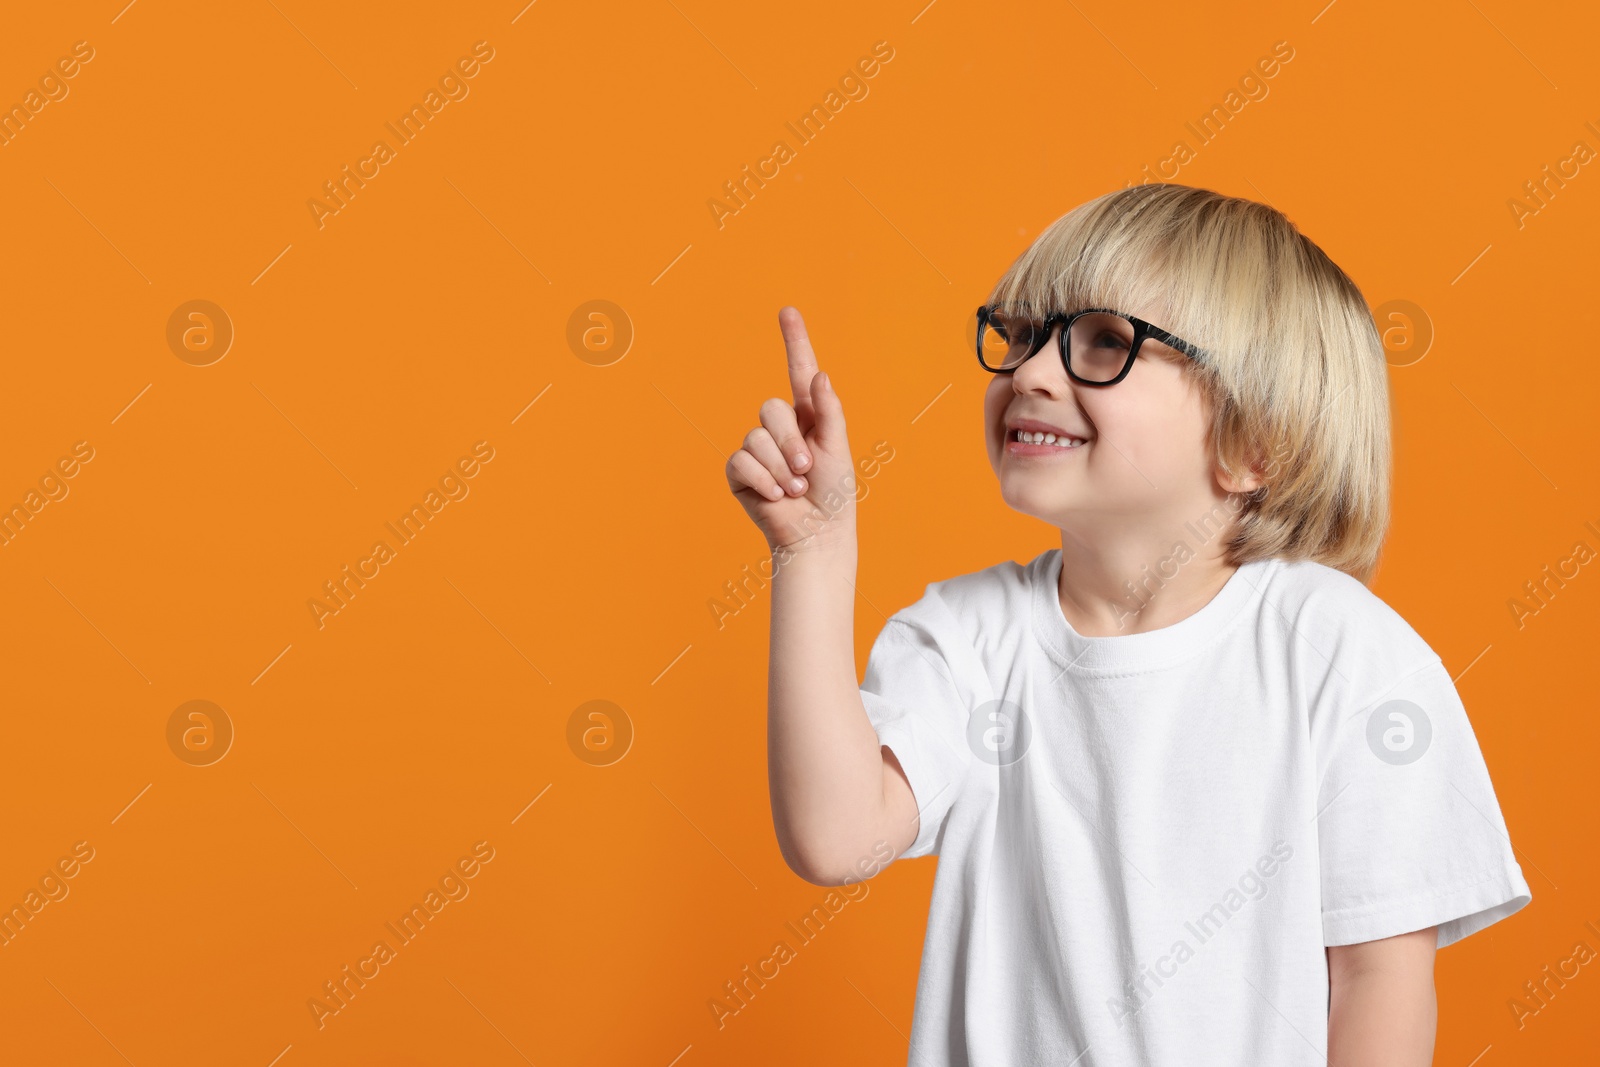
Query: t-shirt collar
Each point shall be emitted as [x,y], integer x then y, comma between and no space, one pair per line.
[1151,650]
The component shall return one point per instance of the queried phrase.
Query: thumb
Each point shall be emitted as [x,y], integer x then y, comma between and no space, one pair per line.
[829,413]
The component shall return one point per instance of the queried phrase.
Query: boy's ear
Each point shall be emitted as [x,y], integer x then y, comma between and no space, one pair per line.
[1247,483]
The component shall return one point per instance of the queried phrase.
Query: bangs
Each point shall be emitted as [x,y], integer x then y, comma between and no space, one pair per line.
[1196,264]
[1095,256]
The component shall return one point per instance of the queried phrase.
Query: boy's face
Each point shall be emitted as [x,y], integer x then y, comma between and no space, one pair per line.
[1144,460]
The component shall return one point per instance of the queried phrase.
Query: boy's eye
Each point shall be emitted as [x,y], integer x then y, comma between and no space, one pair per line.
[1017,332]
[1006,340]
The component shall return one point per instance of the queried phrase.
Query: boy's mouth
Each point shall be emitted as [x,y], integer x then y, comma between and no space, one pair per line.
[1029,436]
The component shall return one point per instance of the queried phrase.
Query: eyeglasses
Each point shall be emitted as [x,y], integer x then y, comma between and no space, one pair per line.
[1097,345]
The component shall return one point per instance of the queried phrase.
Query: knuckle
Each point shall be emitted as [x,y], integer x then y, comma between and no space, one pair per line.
[749,471]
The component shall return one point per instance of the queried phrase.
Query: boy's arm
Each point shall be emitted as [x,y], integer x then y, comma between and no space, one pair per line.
[836,793]
[1381,1006]
[840,806]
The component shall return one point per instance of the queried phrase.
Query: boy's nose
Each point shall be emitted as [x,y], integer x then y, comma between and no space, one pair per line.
[1043,369]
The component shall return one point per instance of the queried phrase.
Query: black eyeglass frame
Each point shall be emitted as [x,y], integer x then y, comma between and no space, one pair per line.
[1141,331]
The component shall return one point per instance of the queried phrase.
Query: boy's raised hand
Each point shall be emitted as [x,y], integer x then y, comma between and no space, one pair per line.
[795,468]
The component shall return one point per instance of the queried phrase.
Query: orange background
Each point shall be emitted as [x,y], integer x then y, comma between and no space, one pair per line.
[429,312]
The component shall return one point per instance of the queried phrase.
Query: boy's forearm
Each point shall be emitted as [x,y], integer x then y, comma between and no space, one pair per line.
[1382,1011]
[824,765]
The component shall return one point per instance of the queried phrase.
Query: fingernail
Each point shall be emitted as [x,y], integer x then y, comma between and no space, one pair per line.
[801,459]
[826,384]
[776,493]
[797,484]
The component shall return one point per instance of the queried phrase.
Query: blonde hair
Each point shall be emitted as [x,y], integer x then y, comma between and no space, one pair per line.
[1294,367]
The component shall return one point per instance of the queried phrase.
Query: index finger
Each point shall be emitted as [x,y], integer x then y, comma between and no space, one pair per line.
[802,363]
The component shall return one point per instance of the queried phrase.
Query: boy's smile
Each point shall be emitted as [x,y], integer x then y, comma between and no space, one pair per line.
[1035,437]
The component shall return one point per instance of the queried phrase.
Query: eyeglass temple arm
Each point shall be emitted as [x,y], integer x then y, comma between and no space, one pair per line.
[1172,341]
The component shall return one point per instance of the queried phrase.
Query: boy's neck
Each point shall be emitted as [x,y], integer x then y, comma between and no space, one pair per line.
[1113,596]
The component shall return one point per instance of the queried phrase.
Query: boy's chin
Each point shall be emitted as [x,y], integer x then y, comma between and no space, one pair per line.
[1035,501]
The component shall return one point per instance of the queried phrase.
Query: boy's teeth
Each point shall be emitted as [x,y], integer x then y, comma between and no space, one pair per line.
[1045,439]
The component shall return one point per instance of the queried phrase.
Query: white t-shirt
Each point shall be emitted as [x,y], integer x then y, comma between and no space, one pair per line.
[1147,840]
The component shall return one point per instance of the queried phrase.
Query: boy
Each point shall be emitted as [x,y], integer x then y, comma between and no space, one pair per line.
[1199,796]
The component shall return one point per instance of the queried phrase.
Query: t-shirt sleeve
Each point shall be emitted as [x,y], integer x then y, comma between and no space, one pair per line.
[920,684]
[1409,830]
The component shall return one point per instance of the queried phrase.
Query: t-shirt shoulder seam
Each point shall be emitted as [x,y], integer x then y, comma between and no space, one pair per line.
[1311,580]
[935,592]
[907,630]
[1427,664]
